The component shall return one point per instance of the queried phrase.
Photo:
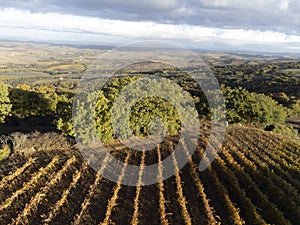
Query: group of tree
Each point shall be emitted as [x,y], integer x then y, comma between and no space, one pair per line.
[256,110]
[273,79]
[242,105]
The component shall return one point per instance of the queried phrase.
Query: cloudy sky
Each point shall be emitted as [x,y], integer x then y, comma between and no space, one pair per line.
[256,25]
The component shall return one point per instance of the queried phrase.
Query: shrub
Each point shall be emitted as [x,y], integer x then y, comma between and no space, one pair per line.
[4,152]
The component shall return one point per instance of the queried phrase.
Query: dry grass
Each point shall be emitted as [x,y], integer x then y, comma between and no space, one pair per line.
[29,143]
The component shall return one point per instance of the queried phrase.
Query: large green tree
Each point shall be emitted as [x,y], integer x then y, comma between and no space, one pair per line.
[252,108]
[95,109]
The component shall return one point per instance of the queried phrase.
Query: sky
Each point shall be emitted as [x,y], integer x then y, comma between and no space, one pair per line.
[256,25]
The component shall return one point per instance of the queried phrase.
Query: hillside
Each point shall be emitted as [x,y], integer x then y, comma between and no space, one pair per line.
[254,180]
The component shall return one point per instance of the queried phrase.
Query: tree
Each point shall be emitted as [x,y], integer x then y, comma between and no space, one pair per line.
[86,117]
[252,108]
[27,103]
[83,117]
[295,110]
[103,118]
[5,106]
[241,106]
[64,114]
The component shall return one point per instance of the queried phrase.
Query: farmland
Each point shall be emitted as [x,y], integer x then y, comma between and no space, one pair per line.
[254,180]
[45,179]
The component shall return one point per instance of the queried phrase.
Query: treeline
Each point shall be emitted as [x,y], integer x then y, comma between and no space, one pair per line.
[281,81]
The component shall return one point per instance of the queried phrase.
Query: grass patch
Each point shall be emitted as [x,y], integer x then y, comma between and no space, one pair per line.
[67,68]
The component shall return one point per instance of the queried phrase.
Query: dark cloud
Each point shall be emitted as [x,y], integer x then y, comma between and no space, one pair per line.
[276,15]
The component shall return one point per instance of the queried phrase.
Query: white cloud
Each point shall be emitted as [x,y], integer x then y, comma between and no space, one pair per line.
[255,36]
[14,20]
[276,15]
[284,5]
[268,7]
[241,4]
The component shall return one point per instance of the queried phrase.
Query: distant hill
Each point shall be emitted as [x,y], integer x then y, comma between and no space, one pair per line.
[254,180]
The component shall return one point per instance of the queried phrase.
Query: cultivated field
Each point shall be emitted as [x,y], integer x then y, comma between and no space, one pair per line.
[254,180]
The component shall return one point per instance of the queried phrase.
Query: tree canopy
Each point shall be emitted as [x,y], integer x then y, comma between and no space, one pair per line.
[5,105]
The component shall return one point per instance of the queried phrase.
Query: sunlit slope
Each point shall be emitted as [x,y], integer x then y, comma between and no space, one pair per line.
[254,180]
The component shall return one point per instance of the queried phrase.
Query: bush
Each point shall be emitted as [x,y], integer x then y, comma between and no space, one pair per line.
[286,130]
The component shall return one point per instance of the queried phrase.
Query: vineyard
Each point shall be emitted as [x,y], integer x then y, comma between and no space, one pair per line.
[254,180]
